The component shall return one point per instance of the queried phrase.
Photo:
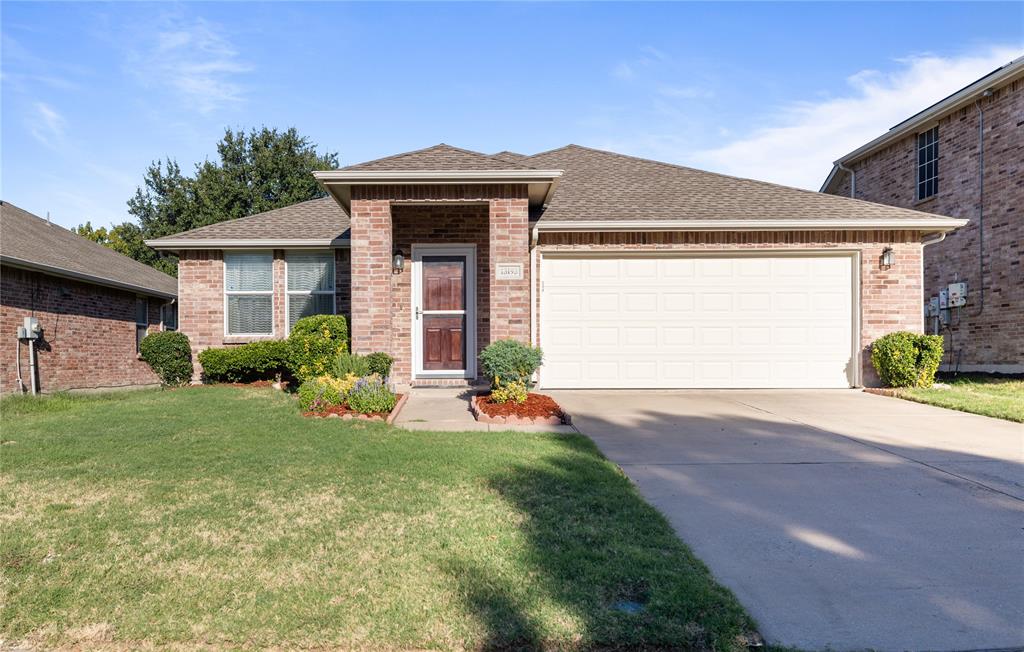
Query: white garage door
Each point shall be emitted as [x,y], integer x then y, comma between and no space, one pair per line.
[664,322]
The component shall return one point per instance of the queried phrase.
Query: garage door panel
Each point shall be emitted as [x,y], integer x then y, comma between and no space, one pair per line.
[762,321]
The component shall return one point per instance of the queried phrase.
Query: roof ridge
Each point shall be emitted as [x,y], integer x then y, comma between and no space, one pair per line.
[438,146]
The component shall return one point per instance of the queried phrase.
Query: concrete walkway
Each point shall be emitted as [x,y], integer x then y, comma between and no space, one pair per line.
[839,519]
[447,408]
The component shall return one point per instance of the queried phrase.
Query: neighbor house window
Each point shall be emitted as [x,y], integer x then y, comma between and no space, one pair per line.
[169,316]
[249,293]
[310,284]
[141,321]
[928,163]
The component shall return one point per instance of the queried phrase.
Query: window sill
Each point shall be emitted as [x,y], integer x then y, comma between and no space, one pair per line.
[925,201]
[245,339]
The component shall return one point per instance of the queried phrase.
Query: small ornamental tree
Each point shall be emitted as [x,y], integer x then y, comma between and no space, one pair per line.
[169,354]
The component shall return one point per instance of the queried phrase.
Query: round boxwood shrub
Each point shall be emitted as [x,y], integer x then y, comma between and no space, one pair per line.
[169,354]
[510,361]
[380,364]
[905,359]
[314,343]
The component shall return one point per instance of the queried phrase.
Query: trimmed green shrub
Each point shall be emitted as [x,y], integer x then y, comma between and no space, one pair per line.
[263,360]
[380,364]
[351,363]
[169,355]
[510,391]
[371,394]
[323,391]
[509,361]
[314,343]
[905,359]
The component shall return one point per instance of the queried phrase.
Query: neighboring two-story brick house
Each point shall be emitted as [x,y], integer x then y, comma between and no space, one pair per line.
[630,273]
[962,157]
[93,305]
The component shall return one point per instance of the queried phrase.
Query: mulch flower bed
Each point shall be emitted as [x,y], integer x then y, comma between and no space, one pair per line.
[342,411]
[537,410]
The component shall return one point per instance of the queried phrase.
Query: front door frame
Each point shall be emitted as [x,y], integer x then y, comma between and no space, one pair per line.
[467,251]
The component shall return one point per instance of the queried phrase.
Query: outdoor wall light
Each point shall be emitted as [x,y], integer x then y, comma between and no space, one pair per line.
[887,257]
[397,263]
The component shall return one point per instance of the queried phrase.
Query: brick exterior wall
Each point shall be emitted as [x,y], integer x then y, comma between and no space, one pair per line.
[994,339]
[88,338]
[201,298]
[890,299]
[386,218]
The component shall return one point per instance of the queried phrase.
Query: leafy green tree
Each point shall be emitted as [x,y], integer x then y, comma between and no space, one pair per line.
[255,171]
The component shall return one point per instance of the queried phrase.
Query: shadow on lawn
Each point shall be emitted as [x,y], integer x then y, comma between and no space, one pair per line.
[597,551]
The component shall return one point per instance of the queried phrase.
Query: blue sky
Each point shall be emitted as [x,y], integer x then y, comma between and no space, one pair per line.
[91,93]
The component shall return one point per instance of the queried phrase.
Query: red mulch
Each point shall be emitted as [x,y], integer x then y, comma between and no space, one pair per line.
[536,405]
[342,410]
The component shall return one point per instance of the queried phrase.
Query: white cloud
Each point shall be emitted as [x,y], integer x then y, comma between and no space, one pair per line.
[801,140]
[46,125]
[194,60]
[623,70]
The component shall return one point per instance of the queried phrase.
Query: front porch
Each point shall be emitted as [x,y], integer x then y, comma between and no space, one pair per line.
[436,311]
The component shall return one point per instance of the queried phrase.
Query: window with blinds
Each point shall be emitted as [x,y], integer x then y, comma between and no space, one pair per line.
[141,321]
[249,293]
[310,284]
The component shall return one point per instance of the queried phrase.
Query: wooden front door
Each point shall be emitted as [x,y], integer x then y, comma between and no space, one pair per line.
[443,317]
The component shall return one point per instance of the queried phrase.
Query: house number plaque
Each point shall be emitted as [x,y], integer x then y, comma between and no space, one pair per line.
[509,271]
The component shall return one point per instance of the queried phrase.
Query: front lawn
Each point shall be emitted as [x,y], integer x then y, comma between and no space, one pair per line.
[219,517]
[993,396]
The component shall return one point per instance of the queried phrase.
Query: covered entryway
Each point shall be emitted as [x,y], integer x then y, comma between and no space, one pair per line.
[674,320]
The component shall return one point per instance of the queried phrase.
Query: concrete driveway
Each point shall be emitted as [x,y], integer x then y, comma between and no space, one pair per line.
[839,519]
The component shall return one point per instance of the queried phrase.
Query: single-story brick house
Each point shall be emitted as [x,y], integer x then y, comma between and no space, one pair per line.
[93,304]
[630,273]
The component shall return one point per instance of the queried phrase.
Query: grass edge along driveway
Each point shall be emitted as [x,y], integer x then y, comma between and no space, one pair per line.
[1001,397]
[217,516]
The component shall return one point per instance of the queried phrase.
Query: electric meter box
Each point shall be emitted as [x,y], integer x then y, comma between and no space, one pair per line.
[931,309]
[943,299]
[957,294]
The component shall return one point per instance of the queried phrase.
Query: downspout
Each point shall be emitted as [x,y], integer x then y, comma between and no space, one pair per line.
[853,178]
[535,234]
[981,203]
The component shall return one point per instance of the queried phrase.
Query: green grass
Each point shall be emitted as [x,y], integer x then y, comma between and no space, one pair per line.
[993,396]
[217,516]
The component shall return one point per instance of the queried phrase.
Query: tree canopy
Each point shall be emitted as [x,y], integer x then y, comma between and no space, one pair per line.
[256,171]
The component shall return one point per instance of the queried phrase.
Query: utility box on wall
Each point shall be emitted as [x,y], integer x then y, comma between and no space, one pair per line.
[957,294]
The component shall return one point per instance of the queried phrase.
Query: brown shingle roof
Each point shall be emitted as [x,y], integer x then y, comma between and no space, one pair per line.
[439,157]
[596,186]
[316,219]
[599,185]
[30,241]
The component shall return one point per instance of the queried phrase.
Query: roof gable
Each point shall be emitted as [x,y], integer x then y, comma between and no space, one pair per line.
[440,157]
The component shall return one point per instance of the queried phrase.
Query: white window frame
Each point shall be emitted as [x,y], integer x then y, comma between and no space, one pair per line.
[227,293]
[919,166]
[288,293]
[141,300]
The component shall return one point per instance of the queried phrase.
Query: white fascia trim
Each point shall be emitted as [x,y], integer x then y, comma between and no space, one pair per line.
[936,224]
[81,276]
[172,245]
[358,177]
[951,103]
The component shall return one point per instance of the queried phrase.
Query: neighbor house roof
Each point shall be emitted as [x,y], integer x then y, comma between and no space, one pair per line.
[963,97]
[30,242]
[596,191]
[314,223]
